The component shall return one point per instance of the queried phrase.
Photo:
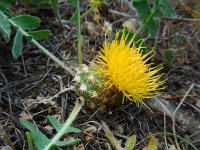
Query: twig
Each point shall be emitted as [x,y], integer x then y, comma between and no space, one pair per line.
[186,120]
[163,106]
[165,137]
[86,14]
[186,94]
[182,19]
[61,92]
[174,132]
[120,13]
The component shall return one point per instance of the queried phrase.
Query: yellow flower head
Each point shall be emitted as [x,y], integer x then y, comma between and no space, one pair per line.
[124,67]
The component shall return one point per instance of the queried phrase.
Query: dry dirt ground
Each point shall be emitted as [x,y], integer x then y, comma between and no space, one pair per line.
[26,83]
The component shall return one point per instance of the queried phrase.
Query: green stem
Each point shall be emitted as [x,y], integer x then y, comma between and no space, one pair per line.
[66,125]
[80,60]
[54,5]
[44,50]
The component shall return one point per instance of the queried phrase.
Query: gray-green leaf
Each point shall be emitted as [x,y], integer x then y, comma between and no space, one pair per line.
[57,125]
[26,22]
[5,27]
[148,15]
[40,34]
[30,140]
[144,11]
[18,44]
[40,139]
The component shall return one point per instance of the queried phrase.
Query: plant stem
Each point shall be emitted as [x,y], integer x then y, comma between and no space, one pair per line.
[44,50]
[54,5]
[66,125]
[80,60]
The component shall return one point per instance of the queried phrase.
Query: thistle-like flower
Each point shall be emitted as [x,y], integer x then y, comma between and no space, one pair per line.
[125,68]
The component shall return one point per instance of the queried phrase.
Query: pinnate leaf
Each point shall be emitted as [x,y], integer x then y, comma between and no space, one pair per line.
[41,140]
[57,125]
[148,15]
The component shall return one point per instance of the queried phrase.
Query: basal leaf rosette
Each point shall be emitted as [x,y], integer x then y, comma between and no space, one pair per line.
[127,71]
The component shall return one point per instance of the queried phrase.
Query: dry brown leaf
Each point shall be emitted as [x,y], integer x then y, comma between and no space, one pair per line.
[90,28]
[107,27]
[88,137]
[131,24]
[91,129]
[24,115]
[33,103]
[49,128]
[80,147]
[192,7]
